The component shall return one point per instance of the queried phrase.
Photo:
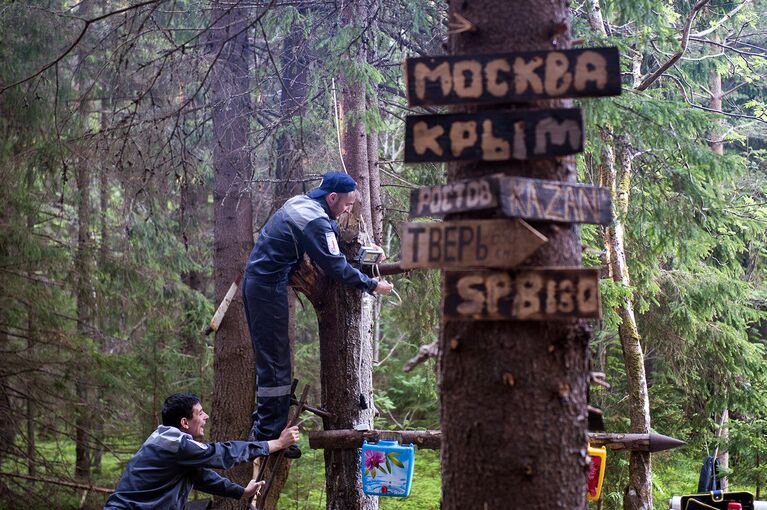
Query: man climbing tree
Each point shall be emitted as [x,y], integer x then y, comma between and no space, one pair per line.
[305,224]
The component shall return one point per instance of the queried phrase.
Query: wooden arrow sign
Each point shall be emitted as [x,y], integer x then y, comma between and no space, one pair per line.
[458,196]
[526,294]
[513,77]
[493,136]
[538,199]
[469,243]
[519,197]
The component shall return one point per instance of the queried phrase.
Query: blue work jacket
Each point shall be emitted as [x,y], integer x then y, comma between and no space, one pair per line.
[302,225]
[171,463]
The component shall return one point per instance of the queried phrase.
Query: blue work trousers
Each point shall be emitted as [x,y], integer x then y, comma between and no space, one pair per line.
[266,308]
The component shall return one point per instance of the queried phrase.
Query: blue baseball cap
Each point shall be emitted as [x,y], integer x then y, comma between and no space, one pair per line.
[334,182]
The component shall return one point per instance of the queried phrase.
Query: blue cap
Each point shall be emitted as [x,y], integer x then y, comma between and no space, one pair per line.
[334,182]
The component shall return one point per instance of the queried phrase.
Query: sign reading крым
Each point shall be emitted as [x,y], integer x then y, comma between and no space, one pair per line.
[493,136]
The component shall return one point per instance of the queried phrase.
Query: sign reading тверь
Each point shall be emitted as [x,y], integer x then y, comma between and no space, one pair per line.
[513,77]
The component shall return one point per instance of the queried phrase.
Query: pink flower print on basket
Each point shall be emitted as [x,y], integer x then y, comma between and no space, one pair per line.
[374,460]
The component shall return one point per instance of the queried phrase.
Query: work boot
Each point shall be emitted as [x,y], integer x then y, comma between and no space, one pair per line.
[293,451]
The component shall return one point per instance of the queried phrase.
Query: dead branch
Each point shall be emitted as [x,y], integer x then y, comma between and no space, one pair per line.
[676,56]
[425,352]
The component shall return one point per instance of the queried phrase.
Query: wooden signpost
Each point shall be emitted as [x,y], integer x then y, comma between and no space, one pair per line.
[519,197]
[493,136]
[468,244]
[538,199]
[458,196]
[526,294]
[510,77]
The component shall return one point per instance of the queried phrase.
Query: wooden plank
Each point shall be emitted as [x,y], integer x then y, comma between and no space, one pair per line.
[458,196]
[526,294]
[493,136]
[513,77]
[538,199]
[468,243]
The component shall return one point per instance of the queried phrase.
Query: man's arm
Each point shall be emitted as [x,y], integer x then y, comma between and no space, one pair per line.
[225,455]
[320,242]
[219,455]
[207,480]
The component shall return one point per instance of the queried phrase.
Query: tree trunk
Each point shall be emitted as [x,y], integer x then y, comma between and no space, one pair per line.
[233,366]
[344,314]
[32,321]
[347,389]
[84,273]
[717,146]
[289,171]
[638,493]
[85,305]
[513,394]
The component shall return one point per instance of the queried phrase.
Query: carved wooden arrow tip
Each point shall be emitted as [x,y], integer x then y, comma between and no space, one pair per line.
[659,442]
[460,24]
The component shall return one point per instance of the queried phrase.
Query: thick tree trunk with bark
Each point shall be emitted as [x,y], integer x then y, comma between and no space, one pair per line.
[85,306]
[616,175]
[513,394]
[290,170]
[234,381]
[344,314]
[347,388]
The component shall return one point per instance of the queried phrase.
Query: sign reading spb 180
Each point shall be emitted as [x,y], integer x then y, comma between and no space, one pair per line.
[530,294]
[510,77]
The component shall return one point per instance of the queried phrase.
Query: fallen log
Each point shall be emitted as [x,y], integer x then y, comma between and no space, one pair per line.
[431,439]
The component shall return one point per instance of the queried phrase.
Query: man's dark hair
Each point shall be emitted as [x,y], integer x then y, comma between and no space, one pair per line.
[178,406]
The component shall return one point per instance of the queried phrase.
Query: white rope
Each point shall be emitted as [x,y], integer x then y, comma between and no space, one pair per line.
[338,124]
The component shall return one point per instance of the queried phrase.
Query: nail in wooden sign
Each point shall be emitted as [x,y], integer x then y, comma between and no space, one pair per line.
[526,294]
[458,196]
[513,77]
[538,199]
[493,136]
[468,243]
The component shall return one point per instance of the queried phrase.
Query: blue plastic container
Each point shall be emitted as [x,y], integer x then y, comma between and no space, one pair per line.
[387,468]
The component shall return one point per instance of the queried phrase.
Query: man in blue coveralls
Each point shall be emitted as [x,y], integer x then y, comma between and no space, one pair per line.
[171,462]
[305,224]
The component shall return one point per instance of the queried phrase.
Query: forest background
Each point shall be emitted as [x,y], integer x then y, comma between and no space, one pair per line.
[108,159]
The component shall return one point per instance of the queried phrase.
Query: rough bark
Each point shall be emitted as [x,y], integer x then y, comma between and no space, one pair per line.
[638,493]
[85,306]
[234,382]
[344,314]
[717,146]
[617,176]
[347,389]
[513,394]
[289,170]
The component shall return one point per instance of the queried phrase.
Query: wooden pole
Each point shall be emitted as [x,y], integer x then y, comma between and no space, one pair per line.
[432,439]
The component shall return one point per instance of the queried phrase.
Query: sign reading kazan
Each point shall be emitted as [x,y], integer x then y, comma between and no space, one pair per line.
[513,77]
[539,199]
[518,197]
[493,136]
[530,294]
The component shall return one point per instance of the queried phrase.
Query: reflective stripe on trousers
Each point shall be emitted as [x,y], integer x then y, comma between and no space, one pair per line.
[266,309]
